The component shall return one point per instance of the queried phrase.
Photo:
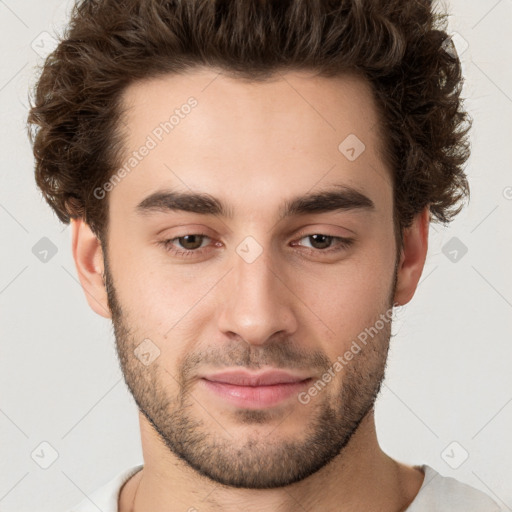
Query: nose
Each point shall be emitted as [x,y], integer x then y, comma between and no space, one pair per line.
[257,302]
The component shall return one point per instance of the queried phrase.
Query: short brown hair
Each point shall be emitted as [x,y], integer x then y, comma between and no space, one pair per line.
[400,46]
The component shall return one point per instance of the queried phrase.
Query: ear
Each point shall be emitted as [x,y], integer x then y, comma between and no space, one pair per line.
[88,256]
[412,258]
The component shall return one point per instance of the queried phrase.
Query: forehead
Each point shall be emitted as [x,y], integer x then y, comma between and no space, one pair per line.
[210,132]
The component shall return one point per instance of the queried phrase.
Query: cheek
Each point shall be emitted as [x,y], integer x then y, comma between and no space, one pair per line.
[338,300]
[349,298]
[160,298]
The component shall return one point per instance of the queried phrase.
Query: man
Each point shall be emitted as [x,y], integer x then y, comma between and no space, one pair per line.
[250,185]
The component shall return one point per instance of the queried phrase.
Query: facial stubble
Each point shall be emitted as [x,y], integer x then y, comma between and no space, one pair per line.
[254,462]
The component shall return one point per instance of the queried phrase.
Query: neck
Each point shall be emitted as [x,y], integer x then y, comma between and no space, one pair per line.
[362,477]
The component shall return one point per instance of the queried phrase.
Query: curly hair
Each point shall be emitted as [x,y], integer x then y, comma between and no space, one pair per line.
[400,46]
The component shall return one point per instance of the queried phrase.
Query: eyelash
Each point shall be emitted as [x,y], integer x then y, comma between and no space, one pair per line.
[168,245]
[343,244]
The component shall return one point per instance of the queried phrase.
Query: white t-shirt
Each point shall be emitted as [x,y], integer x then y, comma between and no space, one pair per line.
[438,493]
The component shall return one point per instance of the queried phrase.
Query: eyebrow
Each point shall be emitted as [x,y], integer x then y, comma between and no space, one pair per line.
[338,198]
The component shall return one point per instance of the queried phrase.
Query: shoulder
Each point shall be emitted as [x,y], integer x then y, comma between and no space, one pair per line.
[105,498]
[440,493]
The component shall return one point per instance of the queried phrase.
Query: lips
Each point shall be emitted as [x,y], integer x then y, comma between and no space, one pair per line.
[261,390]
[268,378]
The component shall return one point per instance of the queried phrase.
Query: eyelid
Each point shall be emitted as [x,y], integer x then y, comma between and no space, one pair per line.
[305,232]
[325,228]
[187,228]
[343,243]
[169,241]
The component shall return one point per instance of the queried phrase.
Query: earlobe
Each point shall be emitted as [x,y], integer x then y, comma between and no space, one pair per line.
[88,256]
[412,259]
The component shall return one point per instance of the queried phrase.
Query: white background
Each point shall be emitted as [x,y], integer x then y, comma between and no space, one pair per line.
[449,375]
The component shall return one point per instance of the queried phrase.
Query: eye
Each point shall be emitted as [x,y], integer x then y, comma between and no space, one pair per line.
[192,244]
[324,243]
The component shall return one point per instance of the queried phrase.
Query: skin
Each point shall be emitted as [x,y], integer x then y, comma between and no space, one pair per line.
[254,146]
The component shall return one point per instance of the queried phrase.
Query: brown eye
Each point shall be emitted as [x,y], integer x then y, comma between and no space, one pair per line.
[320,241]
[186,245]
[190,242]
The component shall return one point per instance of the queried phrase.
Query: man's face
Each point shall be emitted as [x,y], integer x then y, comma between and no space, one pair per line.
[256,290]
